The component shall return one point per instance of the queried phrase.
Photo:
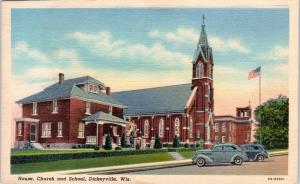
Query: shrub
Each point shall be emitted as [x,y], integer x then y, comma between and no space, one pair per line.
[107,145]
[118,148]
[186,145]
[123,140]
[176,142]
[157,143]
[131,139]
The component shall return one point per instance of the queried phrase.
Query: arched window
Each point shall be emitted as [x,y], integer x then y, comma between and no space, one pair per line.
[177,127]
[146,128]
[191,127]
[161,127]
[199,70]
[209,70]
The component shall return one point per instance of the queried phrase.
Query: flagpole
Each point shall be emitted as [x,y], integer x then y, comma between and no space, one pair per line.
[259,98]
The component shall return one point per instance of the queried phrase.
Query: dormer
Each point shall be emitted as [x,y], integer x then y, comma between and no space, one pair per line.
[92,88]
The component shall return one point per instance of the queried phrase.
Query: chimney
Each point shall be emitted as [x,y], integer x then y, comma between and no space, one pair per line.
[61,78]
[107,91]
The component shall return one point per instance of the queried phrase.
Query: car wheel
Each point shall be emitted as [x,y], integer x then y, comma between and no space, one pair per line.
[237,161]
[201,162]
[260,158]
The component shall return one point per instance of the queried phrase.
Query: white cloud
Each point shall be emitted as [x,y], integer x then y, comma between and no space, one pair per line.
[154,34]
[185,35]
[22,48]
[277,53]
[103,44]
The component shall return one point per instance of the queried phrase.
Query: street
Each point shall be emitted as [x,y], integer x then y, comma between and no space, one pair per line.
[277,165]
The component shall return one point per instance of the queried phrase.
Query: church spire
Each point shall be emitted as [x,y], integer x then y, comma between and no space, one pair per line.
[203,37]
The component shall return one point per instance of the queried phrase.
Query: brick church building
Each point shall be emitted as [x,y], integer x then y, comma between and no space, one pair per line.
[83,111]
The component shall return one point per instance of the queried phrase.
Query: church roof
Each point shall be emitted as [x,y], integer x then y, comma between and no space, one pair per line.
[70,88]
[167,99]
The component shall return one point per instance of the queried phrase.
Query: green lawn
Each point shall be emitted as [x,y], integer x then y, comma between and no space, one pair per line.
[187,154]
[277,149]
[88,163]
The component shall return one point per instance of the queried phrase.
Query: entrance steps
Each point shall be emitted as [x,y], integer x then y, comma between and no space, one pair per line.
[176,155]
[37,146]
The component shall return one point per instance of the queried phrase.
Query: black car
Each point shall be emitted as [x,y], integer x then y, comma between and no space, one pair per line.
[255,152]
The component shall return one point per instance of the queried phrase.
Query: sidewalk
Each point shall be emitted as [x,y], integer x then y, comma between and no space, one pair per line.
[140,167]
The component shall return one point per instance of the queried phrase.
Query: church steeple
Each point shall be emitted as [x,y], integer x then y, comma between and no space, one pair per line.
[203,46]
[203,37]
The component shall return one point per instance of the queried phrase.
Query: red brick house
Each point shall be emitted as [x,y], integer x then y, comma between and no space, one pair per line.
[79,111]
[74,111]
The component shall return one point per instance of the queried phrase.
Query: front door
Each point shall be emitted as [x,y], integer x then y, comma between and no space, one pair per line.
[32,133]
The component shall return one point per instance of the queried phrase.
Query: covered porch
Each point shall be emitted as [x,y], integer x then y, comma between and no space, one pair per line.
[100,124]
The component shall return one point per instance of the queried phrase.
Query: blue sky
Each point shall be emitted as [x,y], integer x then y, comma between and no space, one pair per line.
[139,48]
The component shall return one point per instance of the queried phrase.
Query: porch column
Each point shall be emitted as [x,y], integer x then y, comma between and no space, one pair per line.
[99,134]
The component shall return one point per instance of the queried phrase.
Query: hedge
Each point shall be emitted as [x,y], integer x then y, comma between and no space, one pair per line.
[21,159]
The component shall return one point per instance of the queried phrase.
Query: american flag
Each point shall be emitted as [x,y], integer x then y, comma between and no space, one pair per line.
[254,73]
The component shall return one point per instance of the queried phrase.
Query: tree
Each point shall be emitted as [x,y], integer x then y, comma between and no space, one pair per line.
[157,142]
[175,141]
[131,139]
[107,145]
[273,115]
[123,140]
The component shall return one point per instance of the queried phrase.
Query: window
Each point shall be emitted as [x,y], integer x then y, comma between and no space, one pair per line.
[223,139]
[229,148]
[209,70]
[218,148]
[230,139]
[59,129]
[191,127]
[208,93]
[34,108]
[223,127]
[19,129]
[88,108]
[198,134]
[161,127]
[199,70]
[46,130]
[81,130]
[216,127]
[217,139]
[54,106]
[177,127]
[146,128]
[92,88]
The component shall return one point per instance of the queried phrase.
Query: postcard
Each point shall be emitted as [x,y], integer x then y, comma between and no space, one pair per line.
[147,92]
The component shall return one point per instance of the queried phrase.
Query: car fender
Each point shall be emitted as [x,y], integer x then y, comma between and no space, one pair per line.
[238,155]
[206,158]
[264,155]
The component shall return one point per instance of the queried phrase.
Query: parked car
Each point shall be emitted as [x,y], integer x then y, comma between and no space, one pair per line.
[220,153]
[255,152]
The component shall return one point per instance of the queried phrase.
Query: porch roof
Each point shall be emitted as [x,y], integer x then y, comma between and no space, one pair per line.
[102,116]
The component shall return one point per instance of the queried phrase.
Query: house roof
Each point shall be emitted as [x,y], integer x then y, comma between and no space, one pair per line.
[70,88]
[167,99]
[104,117]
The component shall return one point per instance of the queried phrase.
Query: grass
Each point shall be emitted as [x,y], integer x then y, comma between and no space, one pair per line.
[187,153]
[277,149]
[88,163]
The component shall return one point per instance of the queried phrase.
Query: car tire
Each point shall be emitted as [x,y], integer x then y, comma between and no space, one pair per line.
[238,161]
[260,158]
[200,162]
